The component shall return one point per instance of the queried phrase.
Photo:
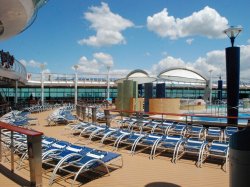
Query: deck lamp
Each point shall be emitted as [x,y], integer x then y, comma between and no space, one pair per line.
[232,33]
[239,146]
[233,75]
[108,82]
[76,67]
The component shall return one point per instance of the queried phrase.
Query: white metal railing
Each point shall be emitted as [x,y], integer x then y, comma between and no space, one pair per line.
[85,78]
[16,71]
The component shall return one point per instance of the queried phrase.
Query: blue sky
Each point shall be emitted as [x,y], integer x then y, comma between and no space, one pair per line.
[152,35]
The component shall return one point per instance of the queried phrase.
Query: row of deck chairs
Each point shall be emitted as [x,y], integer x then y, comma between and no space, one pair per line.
[17,118]
[168,127]
[45,107]
[175,143]
[62,115]
[62,157]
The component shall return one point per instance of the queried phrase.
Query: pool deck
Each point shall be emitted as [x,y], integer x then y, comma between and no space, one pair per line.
[137,170]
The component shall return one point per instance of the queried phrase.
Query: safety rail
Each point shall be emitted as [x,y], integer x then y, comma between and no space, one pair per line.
[204,119]
[33,149]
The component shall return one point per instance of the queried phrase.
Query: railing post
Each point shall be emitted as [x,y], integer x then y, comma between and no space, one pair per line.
[83,112]
[108,117]
[35,159]
[12,151]
[93,115]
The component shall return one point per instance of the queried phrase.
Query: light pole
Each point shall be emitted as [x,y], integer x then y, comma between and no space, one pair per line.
[211,87]
[42,67]
[108,82]
[16,92]
[76,80]
[233,75]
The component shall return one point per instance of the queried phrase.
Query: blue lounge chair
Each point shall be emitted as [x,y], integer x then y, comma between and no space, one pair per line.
[131,140]
[178,129]
[147,141]
[228,131]
[214,133]
[219,150]
[169,143]
[89,161]
[196,131]
[115,137]
[193,146]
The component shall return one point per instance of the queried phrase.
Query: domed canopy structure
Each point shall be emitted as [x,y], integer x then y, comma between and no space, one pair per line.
[138,75]
[182,75]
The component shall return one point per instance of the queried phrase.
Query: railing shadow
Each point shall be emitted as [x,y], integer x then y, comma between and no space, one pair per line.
[13,176]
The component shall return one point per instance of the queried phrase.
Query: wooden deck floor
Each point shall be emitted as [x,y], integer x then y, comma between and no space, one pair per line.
[137,171]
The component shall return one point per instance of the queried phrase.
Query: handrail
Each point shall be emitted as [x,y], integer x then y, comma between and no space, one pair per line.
[21,130]
[34,150]
[189,118]
[175,114]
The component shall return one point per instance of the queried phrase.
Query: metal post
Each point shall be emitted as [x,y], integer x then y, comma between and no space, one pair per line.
[76,81]
[93,115]
[35,159]
[108,118]
[108,83]
[83,113]
[42,66]
[42,88]
[16,92]
[211,87]
[12,151]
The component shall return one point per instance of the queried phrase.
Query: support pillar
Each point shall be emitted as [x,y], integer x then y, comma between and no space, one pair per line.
[160,90]
[233,76]
[148,94]
[220,89]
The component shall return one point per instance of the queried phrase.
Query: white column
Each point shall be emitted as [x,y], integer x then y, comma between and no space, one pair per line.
[76,80]
[211,87]
[42,88]
[108,82]
[16,92]
[42,67]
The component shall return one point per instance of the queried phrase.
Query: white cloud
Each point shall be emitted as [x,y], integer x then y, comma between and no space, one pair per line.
[108,27]
[213,60]
[105,59]
[166,63]
[33,64]
[86,65]
[95,65]
[206,22]
[189,41]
